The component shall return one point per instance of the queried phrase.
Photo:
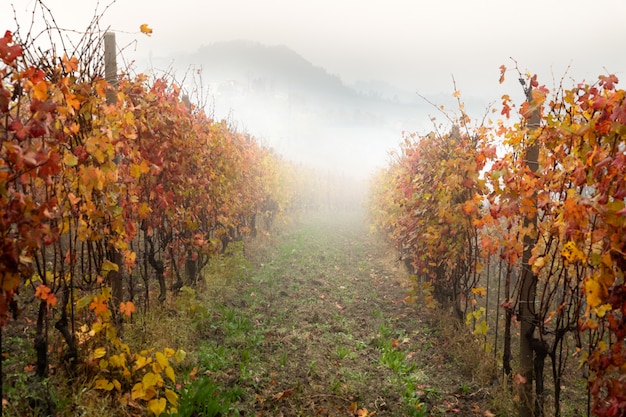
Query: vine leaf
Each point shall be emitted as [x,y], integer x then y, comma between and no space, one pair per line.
[145,29]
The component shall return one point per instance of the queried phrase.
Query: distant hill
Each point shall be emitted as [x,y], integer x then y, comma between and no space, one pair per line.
[260,67]
[301,110]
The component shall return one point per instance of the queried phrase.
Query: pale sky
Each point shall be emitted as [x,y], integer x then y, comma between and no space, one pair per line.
[417,45]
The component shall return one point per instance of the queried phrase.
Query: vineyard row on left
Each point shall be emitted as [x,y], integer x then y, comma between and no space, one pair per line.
[100,197]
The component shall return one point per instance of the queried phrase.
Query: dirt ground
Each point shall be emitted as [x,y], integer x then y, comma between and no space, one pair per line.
[327,325]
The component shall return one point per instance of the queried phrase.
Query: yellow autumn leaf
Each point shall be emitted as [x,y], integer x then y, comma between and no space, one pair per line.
[170,373]
[109,266]
[150,379]
[595,293]
[136,170]
[571,252]
[117,361]
[169,352]
[140,362]
[98,353]
[157,406]
[70,160]
[180,356]
[98,326]
[601,310]
[145,29]
[144,210]
[104,384]
[117,384]
[607,260]
[171,396]
[161,359]
[539,263]
[481,328]
[137,391]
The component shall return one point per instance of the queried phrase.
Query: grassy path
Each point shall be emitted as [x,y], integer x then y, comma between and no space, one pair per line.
[322,328]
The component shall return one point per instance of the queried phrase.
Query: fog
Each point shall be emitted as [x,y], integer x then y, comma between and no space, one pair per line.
[333,84]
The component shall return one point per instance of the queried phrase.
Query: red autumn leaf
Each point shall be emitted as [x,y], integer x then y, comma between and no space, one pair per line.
[37,128]
[21,132]
[9,53]
[506,110]
[608,81]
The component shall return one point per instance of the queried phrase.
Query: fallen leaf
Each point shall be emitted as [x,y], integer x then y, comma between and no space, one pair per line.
[283,394]
[364,413]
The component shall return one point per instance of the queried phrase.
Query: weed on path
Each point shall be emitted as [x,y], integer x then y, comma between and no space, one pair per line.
[324,326]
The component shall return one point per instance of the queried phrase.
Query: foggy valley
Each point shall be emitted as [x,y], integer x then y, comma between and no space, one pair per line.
[299,109]
[323,208]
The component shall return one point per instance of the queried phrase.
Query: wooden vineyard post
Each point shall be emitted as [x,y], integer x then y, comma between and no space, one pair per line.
[528,289]
[110,74]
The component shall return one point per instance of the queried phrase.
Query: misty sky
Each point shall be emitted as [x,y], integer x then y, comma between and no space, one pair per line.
[413,44]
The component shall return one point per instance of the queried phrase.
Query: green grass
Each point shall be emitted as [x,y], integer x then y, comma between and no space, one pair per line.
[406,376]
[342,352]
[204,397]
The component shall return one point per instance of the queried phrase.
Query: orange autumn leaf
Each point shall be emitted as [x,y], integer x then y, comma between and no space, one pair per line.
[145,29]
[469,207]
[127,308]
[363,413]
[51,299]
[42,291]
[98,305]
[40,90]
[70,64]
[480,291]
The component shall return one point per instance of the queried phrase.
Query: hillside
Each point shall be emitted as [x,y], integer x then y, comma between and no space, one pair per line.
[264,68]
[300,109]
